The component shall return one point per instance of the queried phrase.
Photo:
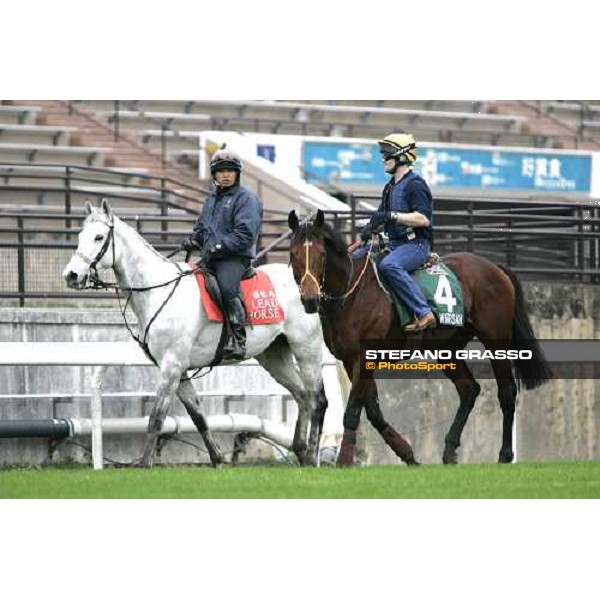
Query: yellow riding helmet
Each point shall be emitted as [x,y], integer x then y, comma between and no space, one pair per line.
[401,146]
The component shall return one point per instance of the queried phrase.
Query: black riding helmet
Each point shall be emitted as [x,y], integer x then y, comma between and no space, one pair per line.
[223,160]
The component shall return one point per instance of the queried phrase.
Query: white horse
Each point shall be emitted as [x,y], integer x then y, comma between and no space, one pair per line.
[179,336]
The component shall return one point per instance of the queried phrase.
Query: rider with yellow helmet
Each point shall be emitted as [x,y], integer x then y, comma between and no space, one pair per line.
[405,213]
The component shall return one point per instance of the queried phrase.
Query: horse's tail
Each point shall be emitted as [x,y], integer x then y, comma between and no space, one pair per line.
[536,371]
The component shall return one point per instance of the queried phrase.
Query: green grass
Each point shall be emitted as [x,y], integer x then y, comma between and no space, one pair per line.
[549,480]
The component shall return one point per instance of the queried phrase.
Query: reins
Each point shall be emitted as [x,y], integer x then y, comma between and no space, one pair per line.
[94,282]
[358,279]
[143,342]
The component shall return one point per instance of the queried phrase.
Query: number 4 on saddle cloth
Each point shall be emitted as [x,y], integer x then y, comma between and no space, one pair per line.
[260,300]
[442,292]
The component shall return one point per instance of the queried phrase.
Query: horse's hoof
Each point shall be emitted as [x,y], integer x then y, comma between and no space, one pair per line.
[216,460]
[301,456]
[506,458]
[413,463]
[450,456]
[345,460]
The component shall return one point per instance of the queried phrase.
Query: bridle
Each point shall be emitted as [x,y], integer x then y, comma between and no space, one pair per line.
[93,279]
[307,273]
[94,282]
[320,284]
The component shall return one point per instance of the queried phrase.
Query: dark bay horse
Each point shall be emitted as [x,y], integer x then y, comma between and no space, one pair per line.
[352,307]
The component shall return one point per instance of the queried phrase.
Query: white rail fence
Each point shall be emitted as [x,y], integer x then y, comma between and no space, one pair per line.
[100,355]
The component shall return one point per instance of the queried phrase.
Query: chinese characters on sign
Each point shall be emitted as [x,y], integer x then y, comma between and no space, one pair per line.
[264,305]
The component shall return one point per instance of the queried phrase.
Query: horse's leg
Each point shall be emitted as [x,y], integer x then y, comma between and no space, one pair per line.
[507,396]
[277,359]
[170,373]
[187,395]
[392,438]
[310,361]
[322,405]
[496,334]
[468,390]
[351,421]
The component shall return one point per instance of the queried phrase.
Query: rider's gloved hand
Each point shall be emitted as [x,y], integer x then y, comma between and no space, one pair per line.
[190,244]
[212,251]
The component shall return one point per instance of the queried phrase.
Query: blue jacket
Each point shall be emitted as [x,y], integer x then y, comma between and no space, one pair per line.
[410,194]
[231,218]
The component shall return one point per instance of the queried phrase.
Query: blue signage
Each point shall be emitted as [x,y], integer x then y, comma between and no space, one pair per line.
[266,151]
[453,166]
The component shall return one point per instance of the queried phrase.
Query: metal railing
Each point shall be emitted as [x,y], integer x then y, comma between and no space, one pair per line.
[34,248]
[67,180]
[557,241]
[551,240]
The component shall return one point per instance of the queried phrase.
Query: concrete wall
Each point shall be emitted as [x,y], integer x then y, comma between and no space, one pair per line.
[102,326]
[559,421]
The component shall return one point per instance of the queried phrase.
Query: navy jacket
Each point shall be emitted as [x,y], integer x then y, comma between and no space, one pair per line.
[410,194]
[231,218]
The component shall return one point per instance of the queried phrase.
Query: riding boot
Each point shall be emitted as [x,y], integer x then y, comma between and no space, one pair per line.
[424,322]
[235,348]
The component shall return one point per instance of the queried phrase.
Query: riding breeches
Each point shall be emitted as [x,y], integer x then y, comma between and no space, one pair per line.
[229,272]
[395,269]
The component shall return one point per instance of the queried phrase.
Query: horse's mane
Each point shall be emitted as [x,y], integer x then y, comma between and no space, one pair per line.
[101,218]
[332,238]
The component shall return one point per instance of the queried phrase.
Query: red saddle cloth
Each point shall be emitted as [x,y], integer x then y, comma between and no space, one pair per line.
[259,297]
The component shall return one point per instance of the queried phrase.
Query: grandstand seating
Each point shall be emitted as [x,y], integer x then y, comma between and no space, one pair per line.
[75,155]
[34,134]
[160,136]
[562,122]
[54,134]
[28,129]
[451,121]
[17,114]
[310,118]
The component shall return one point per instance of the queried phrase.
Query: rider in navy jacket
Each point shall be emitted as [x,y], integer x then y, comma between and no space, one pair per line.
[406,214]
[229,222]
[226,233]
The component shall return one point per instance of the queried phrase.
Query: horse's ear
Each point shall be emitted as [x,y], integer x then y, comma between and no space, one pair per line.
[293,221]
[320,219]
[89,209]
[105,207]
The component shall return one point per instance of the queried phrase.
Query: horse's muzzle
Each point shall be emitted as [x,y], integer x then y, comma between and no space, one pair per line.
[72,280]
[311,305]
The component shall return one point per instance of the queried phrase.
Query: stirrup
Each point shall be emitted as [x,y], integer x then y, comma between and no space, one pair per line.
[421,324]
[233,349]
[235,353]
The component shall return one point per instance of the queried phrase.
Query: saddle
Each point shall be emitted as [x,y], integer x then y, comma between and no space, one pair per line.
[256,292]
[440,287]
[212,285]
